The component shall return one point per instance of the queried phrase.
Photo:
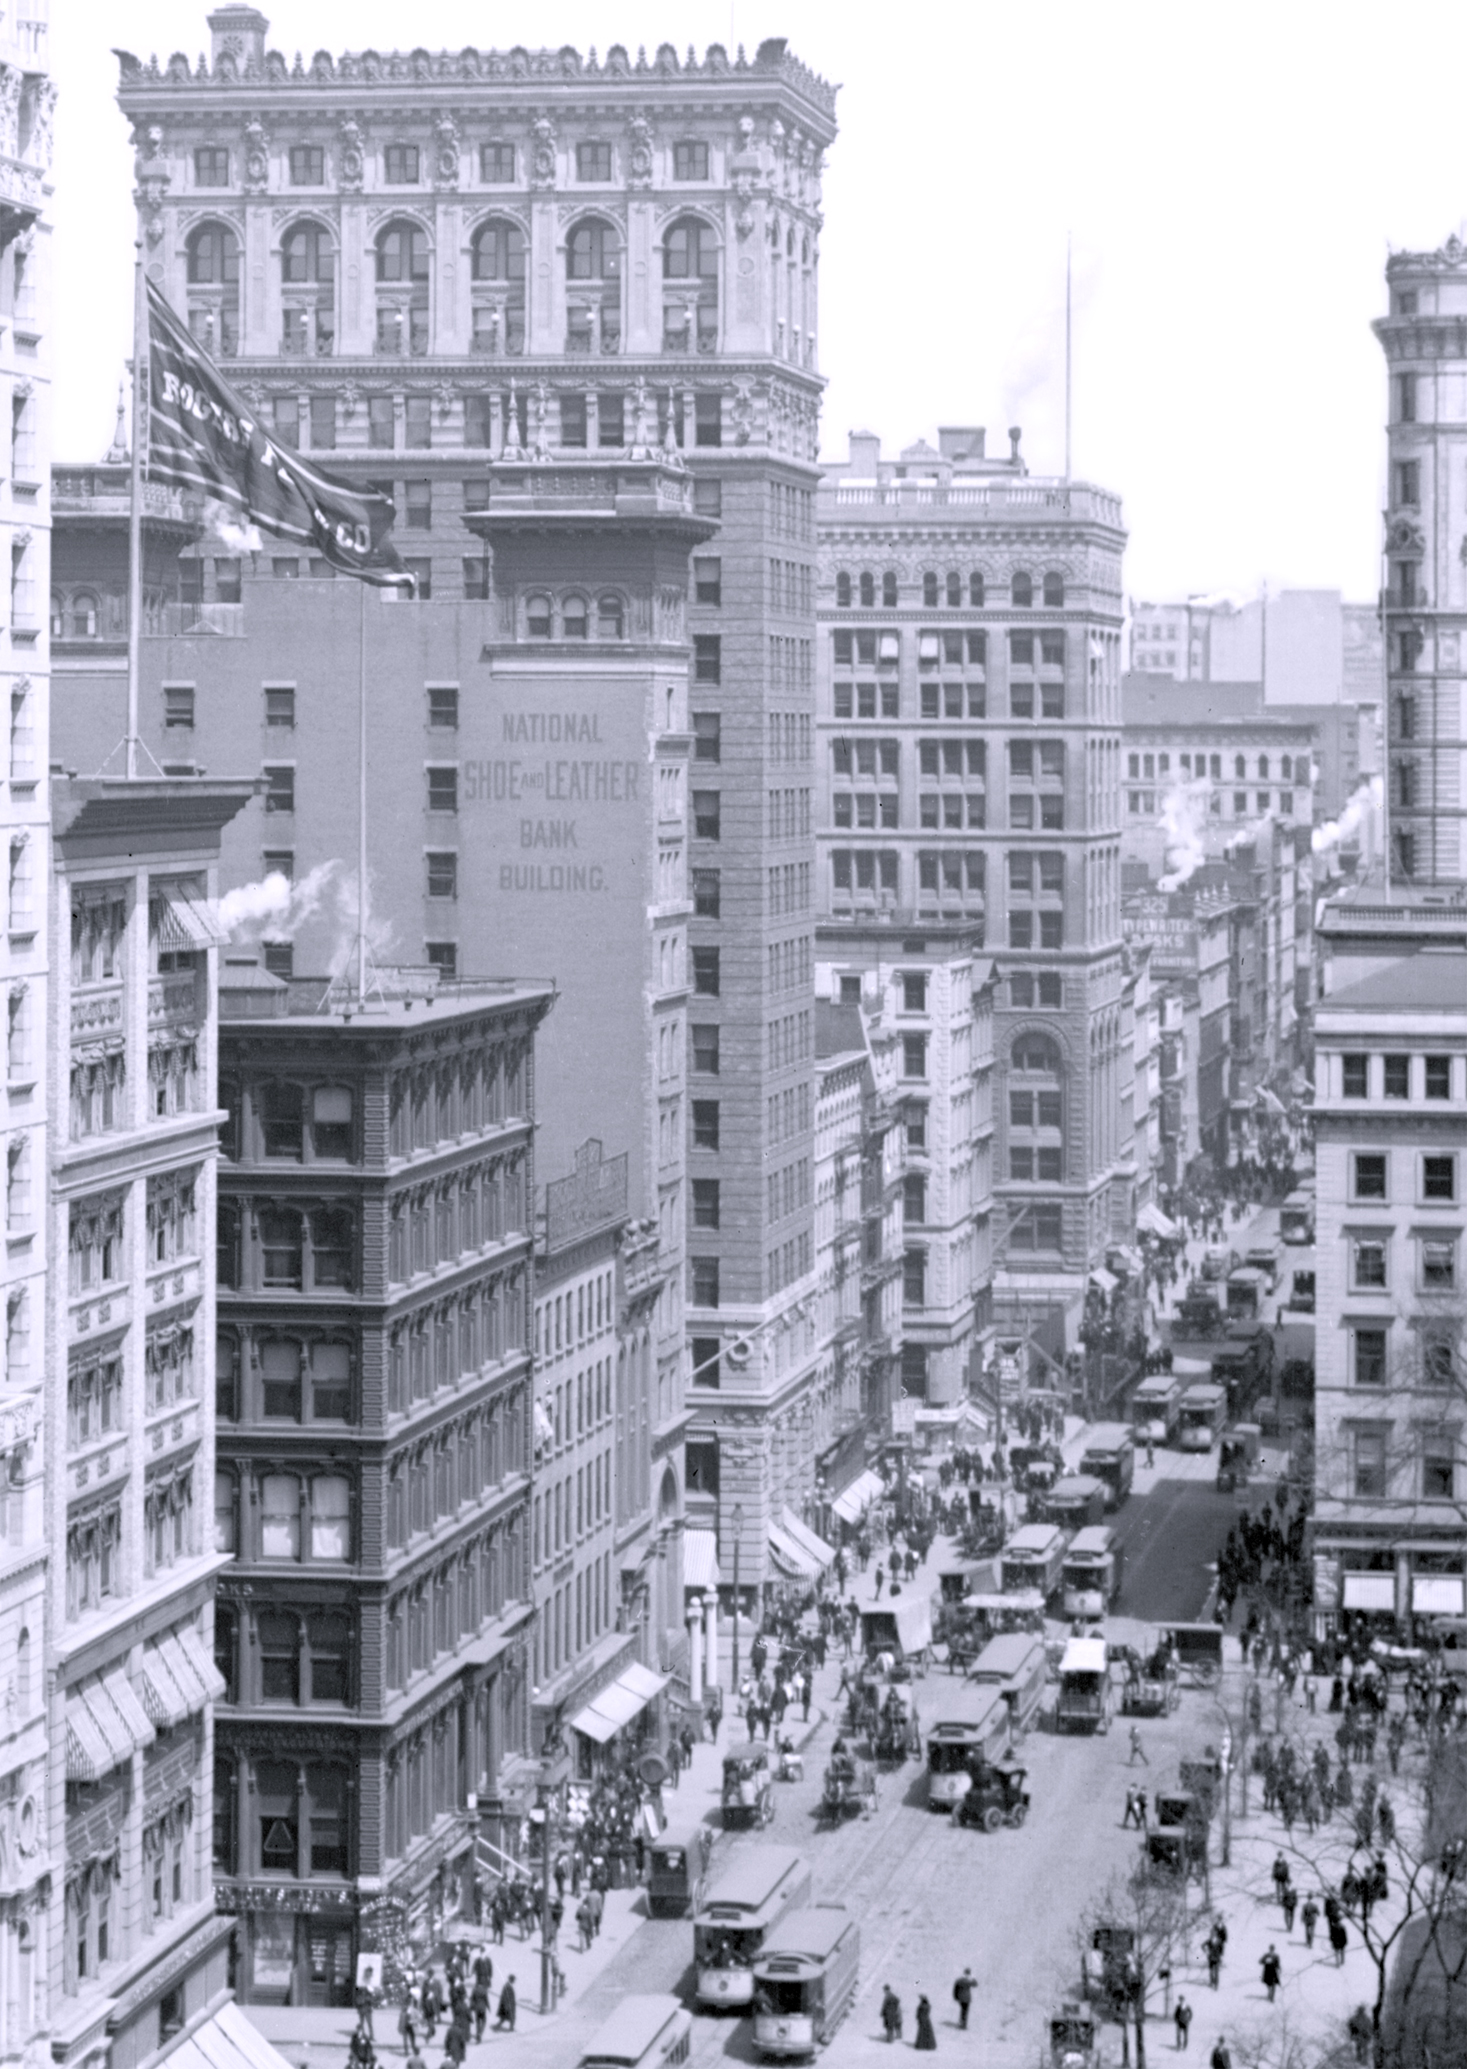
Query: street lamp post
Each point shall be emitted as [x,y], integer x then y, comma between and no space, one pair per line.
[738,1524]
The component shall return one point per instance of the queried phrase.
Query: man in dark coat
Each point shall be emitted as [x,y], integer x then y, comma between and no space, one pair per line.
[891,2013]
[508,2005]
[963,1998]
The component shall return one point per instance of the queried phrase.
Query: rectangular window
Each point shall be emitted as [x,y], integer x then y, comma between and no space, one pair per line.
[705,1281]
[400,165]
[211,167]
[476,580]
[1438,1466]
[1438,1077]
[1439,1178]
[708,581]
[914,1278]
[705,1203]
[443,706]
[418,506]
[280,705]
[307,165]
[706,972]
[381,424]
[707,814]
[1357,1077]
[285,567]
[1370,1463]
[1370,1264]
[914,991]
[707,657]
[442,790]
[227,581]
[443,957]
[1439,1265]
[914,1056]
[706,1362]
[706,893]
[443,874]
[707,736]
[593,161]
[707,419]
[708,496]
[705,1124]
[1406,398]
[496,164]
[178,705]
[705,1051]
[690,161]
[1370,1357]
[1370,1176]
[280,788]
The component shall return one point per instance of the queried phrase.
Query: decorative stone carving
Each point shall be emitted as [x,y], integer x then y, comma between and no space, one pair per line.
[445,151]
[542,152]
[445,395]
[639,152]
[351,154]
[39,115]
[1405,537]
[741,412]
[11,82]
[640,443]
[256,156]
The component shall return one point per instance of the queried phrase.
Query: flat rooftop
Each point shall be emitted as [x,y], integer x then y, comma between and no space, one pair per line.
[395,999]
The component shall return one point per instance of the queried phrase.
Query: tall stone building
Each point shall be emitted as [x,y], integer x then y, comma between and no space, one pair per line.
[30,1831]
[372,1489]
[1426,590]
[434,267]
[969,773]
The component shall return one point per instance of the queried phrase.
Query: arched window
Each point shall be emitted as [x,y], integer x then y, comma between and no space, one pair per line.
[308,303]
[1036,1052]
[497,269]
[1054,592]
[689,287]
[929,591]
[593,269]
[868,592]
[689,251]
[1022,591]
[842,592]
[280,1518]
[975,591]
[84,615]
[1263,768]
[1036,1111]
[537,617]
[402,290]
[1240,767]
[574,623]
[954,591]
[889,590]
[58,616]
[212,264]
[610,617]
[592,251]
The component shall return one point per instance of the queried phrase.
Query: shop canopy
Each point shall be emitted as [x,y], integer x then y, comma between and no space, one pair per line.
[853,1502]
[1150,1216]
[618,1703]
[793,1561]
[1106,1281]
[805,1537]
[700,1559]
[227,2040]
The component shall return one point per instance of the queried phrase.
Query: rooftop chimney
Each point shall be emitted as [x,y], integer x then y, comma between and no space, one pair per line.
[239,32]
[865,454]
[1016,432]
[961,441]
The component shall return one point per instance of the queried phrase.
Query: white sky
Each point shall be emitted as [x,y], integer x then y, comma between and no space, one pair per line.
[1232,179]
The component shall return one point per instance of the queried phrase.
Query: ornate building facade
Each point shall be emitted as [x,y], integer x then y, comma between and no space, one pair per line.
[970,774]
[374,1435]
[432,266]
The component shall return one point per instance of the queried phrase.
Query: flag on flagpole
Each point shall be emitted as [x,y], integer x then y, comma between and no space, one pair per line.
[202,436]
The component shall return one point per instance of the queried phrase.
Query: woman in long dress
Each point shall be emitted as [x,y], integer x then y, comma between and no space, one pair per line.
[926,2038]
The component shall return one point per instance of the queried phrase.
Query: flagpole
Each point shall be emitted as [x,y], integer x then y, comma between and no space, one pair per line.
[135,509]
[362,798]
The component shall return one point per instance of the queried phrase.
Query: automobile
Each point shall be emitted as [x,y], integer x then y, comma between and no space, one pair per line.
[1218,1260]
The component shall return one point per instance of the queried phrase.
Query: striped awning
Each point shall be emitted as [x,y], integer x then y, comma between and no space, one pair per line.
[187,923]
[191,1645]
[852,1502]
[225,2040]
[805,1537]
[618,1703]
[792,1560]
[166,1702]
[88,1755]
[123,1697]
[700,1560]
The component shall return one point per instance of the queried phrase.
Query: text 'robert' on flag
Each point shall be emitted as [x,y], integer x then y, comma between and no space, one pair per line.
[202,436]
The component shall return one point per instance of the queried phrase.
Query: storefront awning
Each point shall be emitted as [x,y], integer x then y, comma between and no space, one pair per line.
[1370,1591]
[88,1755]
[700,1559]
[225,2041]
[191,1645]
[1130,1258]
[166,1702]
[1437,1594]
[1150,1216]
[852,1503]
[1106,1281]
[793,1561]
[119,1722]
[187,923]
[618,1703]
[806,1538]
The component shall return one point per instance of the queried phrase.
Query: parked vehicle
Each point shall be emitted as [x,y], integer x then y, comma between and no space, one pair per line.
[902,1628]
[1033,1558]
[1111,1456]
[1237,1457]
[736,1918]
[1084,1690]
[677,1863]
[1075,1502]
[1296,1217]
[1201,1416]
[1301,1294]
[1244,1364]
[642,2033]
[1017,1665]
[954,1582]
[998,1796]
[1154,1408]
[748,1787]
[1092,1573]
[1218,1260]
[1199,1652]
[956,1745]
[805,1980]
[1151,1683]
[1248,1289]
[1178,1839]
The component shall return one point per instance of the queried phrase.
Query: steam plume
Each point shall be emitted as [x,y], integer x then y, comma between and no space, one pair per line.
[1183,816]
[275,909]
[1367,798]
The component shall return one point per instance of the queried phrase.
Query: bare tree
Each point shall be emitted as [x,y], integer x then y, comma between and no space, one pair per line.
[1136,1933]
